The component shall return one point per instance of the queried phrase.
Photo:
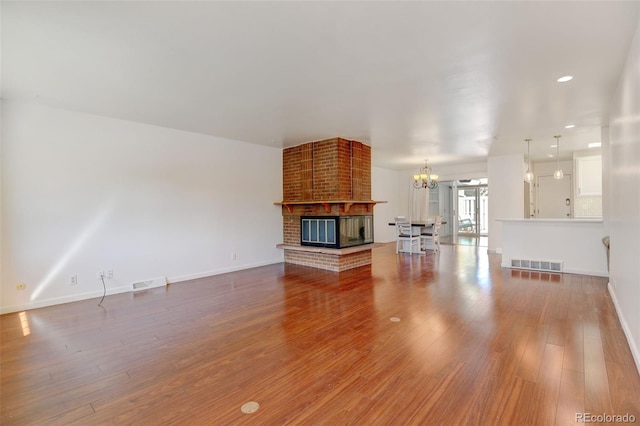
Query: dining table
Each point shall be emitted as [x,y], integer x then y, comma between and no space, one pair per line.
[420,226]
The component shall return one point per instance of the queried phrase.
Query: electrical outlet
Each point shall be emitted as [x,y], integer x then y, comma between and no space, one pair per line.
[109,274]
[234,256]
[100,275]
[21,286]
[73,280]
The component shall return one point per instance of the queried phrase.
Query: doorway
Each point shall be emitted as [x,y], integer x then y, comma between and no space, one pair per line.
[473,210]
[469,213]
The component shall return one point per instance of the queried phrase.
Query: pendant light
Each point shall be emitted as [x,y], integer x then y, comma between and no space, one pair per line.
[528,176]
[558,174]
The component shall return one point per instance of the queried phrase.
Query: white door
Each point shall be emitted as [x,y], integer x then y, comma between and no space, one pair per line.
[553,197]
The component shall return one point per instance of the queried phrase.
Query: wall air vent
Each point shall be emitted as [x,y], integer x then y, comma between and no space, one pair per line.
[144,285]
[537,265]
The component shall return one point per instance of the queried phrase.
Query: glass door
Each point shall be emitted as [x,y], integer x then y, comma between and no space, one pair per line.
[473,210]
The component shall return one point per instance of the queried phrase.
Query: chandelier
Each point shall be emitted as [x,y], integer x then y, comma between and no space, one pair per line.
[425,179]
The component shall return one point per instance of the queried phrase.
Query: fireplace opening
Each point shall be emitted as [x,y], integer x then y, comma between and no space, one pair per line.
[336,231]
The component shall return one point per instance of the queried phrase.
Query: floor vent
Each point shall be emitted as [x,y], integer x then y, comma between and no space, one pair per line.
[537,265]
[144,285]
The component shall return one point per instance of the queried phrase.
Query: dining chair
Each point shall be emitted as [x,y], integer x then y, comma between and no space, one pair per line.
[430,237]
[406,234]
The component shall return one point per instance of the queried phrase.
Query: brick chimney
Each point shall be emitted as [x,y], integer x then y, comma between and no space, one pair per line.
[328,170]
[326,178]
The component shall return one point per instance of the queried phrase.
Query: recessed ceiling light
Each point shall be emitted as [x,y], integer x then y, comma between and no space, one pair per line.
[565,79]
[595,145]
[569,126]
[552,146]
[550,155]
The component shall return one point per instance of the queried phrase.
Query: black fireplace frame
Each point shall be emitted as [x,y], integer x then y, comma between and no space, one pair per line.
[341,237]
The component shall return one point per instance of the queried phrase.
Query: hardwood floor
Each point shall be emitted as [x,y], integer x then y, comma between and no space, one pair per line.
[466,240]
[474,344]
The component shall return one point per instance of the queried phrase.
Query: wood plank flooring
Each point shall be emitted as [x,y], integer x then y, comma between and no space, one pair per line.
[474,344]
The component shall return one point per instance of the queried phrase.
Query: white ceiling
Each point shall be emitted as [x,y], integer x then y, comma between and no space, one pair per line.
[448,81]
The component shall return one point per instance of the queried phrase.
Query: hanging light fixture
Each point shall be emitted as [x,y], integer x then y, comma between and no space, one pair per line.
[426,179]
[558,174]
[528,176]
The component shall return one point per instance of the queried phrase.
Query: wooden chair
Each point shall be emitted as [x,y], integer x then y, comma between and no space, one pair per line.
[405,234]
[430,237]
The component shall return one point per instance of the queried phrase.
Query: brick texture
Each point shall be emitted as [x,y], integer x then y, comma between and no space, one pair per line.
[328,261]
[329,170]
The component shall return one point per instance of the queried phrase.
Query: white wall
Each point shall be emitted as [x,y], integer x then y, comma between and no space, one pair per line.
[623,183]
[386,185]
[506,194]
[1,199]
[577,243]
[82,193]
[606,174]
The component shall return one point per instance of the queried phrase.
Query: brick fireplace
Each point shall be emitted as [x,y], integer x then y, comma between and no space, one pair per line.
[328,178]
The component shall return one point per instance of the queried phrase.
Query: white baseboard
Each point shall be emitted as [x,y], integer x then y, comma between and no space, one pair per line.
[180,278]
[586,272]
[632,344]
[63,299]
[98,293]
